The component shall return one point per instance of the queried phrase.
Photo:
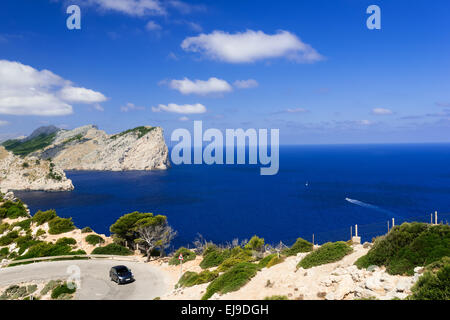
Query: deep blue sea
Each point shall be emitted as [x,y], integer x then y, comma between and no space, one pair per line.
[308,196]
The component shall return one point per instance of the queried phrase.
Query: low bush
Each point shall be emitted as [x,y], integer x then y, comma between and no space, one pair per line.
[275,260]
[408,246]
[213,256]
[190,279]
[434,284]
[238,255]
[49,286]
[13,210]
[46,249]
[4,253]
[113,249]
[327,253]
[94,239]
[264,261]
[86,230]
[276,298]
[25,242]
[301,245]
[62,289]
[42,217]
[60,225]
[3,227]
[9,238]
[232,280]
[24,224]
[188,255]
[256,243]
[65,240]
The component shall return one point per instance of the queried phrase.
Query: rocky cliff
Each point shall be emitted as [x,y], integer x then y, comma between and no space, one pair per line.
[30,173]
[37,162]
[87,148]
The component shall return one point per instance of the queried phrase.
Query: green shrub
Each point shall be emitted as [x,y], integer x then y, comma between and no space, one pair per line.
[275,260]
[190,279]
[47,249]
[255,243]
[434,284]
[232,280]
[238,255]
[24,224]
[213,256]
[3,227]
[42,217]
[327,253]
[4,253]
[39,233]
[113,249]
[49,286]
[60,225]
[22,148]
[188,255]
[276,298]
[13,210]
[9,238]
[94,239]
[14,292]
[65,240]
[408,246]
[264,261]
[86,230]
[301,245]
[62,289]
[25,242]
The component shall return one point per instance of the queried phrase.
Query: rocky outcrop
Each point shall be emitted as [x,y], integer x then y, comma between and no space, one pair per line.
[30,173]
[88,148]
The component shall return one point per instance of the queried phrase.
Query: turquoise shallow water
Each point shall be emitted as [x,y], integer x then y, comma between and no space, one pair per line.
[319,189]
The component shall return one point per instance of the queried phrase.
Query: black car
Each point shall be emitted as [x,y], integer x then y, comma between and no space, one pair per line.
[121,274]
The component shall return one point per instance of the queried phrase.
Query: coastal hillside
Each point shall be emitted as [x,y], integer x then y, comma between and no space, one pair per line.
[30,173]
[88,148]
[37,162]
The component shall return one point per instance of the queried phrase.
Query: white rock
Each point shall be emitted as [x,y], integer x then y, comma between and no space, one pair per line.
[345,287]
[403,284]
[330,296]
[418,269]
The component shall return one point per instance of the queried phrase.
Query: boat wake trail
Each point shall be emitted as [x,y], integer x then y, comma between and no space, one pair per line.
[367,205]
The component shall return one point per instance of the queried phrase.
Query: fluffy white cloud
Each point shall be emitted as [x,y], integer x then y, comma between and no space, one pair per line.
[246,84]
[130,107]
[212,85]
[184,119]
[81,95]
[27,91]
[153,26]
[251,46]
[183,109]
[381,111]
[3,123]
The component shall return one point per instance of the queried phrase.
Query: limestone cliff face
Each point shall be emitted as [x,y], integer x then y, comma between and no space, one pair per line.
[30,173]
[87,148]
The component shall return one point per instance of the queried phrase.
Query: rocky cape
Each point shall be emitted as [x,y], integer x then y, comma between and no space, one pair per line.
[38,161]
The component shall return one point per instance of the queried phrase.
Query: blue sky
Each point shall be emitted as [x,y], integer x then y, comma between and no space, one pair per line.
[309,68]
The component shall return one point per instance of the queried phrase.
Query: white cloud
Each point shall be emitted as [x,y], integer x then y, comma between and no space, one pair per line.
[184,119]
[183,109]
[81,95]
[381,111]
[27,91]
[153,26]
[364,122]
[201,87]
[3,123]
[296,110]
[250,46]
[130,107]
[130,7]
[246,84]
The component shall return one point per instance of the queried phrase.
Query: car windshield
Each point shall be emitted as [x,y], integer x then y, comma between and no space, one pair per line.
[122,270]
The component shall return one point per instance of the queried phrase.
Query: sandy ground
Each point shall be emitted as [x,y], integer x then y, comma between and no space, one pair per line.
[285,279]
